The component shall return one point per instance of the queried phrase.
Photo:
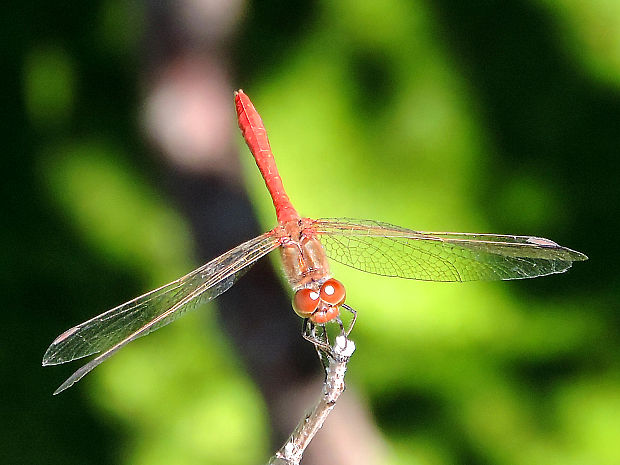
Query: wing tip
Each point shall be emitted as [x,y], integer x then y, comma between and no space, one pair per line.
[48,357]
[64,386]
[580,257]
[77,375]
[573,255]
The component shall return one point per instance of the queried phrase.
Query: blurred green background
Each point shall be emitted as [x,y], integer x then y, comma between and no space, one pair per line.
[481,116]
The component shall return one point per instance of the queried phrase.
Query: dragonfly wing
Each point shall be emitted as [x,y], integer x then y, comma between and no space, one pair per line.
[389,250]
[115,328]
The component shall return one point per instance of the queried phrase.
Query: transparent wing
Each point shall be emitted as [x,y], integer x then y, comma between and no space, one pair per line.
[115,328]
[389,250]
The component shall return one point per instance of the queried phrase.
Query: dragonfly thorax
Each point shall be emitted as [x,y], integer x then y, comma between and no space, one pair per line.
[317,295]
[303,258]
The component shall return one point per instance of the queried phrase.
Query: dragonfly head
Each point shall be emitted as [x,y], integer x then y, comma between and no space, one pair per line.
[320,304]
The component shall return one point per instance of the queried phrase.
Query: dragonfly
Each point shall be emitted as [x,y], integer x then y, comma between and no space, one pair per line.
[306,245]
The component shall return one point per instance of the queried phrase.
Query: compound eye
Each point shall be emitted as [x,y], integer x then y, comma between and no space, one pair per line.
[305,302]
[333,292]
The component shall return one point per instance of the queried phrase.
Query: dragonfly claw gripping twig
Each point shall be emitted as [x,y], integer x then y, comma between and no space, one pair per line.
[335,361]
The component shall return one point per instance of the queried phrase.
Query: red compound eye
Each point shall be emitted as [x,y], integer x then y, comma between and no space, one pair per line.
[305,302]
[332,292]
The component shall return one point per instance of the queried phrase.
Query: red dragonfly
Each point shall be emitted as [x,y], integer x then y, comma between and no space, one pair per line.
[305,245]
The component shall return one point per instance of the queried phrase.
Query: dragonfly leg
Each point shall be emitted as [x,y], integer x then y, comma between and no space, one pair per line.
[310,334]
[354,313]
[341,324]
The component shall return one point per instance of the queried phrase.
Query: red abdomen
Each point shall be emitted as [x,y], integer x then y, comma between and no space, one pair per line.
[255,136]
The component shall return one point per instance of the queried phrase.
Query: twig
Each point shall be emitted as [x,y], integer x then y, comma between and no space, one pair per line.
[335,364]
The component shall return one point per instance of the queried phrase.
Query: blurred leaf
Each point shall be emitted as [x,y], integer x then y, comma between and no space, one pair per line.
[591,30]
[116,211]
